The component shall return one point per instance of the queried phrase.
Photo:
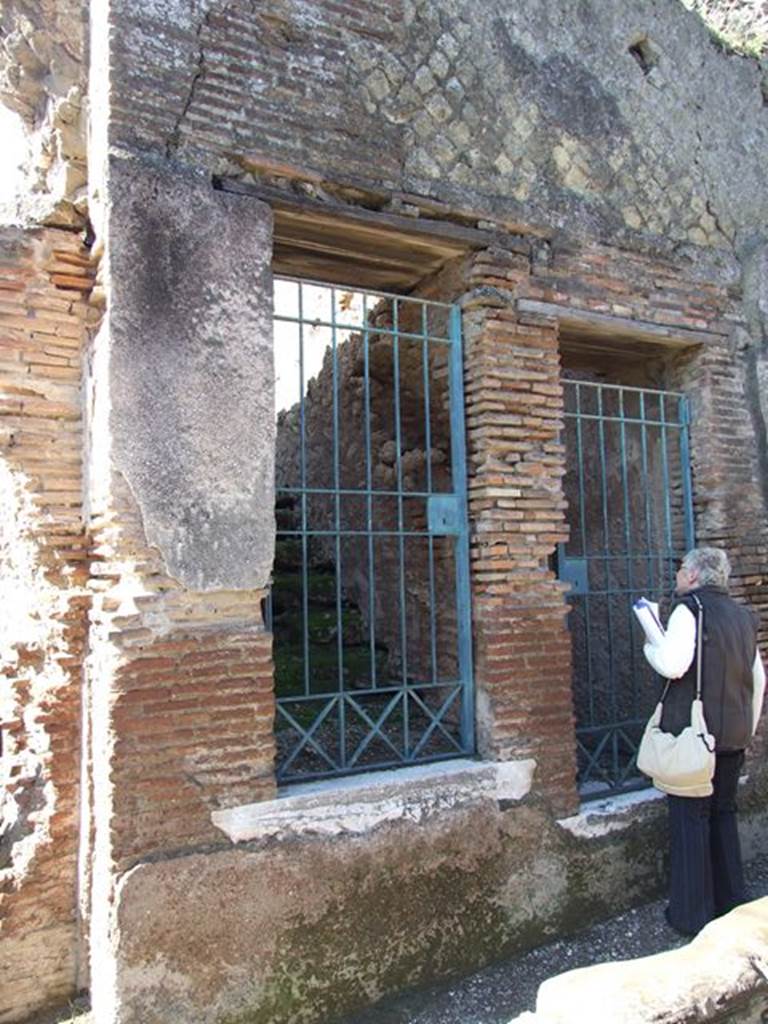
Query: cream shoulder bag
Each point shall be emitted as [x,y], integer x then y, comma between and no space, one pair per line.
[680,765]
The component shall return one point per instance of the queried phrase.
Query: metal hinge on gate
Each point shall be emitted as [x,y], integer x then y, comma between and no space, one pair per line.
[574,571]
[443,514]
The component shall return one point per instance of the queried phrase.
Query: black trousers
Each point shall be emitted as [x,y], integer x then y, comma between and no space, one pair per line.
[706,875]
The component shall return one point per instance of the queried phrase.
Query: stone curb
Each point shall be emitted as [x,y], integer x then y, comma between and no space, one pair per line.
[722,970]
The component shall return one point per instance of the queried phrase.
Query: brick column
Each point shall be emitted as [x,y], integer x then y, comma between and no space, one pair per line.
[516,507]
[728,498]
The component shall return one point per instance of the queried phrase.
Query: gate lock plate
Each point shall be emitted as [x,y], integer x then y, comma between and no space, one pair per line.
[574,571]
[443,514]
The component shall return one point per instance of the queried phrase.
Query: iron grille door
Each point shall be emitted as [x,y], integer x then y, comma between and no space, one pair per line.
[628,487]
[370,606]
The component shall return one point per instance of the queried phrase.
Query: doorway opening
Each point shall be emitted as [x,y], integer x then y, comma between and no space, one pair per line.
[369,605]
[628,486]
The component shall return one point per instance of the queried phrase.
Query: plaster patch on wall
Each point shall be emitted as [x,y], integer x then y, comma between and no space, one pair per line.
[358,804]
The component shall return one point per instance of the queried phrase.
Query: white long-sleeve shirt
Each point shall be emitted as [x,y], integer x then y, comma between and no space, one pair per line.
[672,656]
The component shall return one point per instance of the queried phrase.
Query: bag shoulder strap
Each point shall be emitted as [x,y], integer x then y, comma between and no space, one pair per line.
[699,643]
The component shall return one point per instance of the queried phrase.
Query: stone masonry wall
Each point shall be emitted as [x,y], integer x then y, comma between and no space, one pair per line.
[562,121]
[44,276]
[441,109]
[614,124]
[537,113]
[43,80]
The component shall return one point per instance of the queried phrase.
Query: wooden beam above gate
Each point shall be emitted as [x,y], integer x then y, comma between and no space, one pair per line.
[603,329]
[342,244]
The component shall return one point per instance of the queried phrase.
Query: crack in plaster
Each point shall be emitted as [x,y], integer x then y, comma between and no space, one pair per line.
[758,331]
[697,112]
[278,29]
[174,139]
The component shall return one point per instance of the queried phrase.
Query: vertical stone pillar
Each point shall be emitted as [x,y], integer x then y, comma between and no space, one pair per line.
[181,448]
[522,645]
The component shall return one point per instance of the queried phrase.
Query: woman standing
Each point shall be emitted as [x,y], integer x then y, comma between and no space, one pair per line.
[706,875]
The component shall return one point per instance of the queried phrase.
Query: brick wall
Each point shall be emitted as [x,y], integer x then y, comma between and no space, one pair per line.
[43,277]
[470,106]
[699,297]
[184,88]
[180,691]
[194,721]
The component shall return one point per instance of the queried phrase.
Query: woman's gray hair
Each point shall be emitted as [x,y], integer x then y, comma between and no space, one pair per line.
[711,564]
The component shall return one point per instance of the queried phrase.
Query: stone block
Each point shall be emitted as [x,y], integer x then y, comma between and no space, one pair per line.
[190,371]
[720,975]
[313,927]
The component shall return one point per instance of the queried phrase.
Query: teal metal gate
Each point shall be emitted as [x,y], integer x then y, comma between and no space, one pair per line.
[370,605]
[628,487]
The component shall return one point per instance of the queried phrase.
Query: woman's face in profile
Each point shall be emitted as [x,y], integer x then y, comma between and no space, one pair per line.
[686,579]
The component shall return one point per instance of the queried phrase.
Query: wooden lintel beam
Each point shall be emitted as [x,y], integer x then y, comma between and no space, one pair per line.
[333,251]
[293,263]
[457,238]
[579,321]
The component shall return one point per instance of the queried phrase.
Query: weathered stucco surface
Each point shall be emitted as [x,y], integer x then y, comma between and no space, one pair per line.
[190,371]
[308,929]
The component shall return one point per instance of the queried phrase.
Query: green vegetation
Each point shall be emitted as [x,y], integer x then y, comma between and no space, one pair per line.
[737,25]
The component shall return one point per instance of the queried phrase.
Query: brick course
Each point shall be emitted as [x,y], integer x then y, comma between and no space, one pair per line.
[180,684]
[43,277]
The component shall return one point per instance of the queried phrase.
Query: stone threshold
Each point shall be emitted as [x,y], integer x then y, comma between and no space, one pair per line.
[356,804]
[600,817]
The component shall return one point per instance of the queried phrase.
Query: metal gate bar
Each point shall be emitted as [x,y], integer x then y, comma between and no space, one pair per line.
[629,490]
[415,702]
